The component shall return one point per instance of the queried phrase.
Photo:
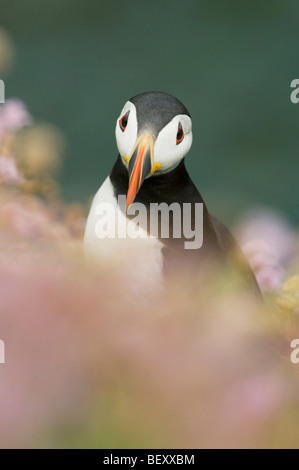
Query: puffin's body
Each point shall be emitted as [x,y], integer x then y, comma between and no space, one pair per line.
[153,135]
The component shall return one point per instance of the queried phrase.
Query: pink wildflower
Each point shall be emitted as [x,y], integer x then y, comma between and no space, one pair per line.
[9,172]
[13,116]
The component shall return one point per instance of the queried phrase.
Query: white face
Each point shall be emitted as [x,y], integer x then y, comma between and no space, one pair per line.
[172,143]
[168,149]
[126,138]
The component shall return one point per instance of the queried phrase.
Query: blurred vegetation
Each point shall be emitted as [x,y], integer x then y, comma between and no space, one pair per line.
[230,63]
[90,367]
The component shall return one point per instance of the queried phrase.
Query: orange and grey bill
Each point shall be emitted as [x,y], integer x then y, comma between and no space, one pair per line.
[141,163]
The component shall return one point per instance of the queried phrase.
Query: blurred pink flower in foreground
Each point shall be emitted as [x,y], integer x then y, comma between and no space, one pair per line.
[85,366]
[13,116]
[268,242]
[9,172]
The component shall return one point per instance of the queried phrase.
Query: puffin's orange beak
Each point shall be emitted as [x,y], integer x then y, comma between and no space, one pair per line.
[140,164]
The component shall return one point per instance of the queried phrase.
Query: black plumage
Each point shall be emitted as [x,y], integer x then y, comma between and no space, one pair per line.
[219,249]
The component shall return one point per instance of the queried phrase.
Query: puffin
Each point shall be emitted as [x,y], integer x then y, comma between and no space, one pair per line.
[148,217]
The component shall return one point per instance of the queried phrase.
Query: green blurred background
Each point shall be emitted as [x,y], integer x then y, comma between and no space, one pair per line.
[231,63]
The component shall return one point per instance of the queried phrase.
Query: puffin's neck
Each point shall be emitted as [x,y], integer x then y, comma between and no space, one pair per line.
[173,186]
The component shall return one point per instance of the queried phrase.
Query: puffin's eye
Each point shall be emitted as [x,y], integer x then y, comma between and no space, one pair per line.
[123,122]
[180,134]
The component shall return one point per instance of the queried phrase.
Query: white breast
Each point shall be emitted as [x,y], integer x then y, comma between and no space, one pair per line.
[139,260]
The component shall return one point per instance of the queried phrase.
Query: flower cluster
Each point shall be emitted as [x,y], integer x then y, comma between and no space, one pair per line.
[13,117]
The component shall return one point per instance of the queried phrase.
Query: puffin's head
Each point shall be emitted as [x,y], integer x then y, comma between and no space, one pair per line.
[153,134]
